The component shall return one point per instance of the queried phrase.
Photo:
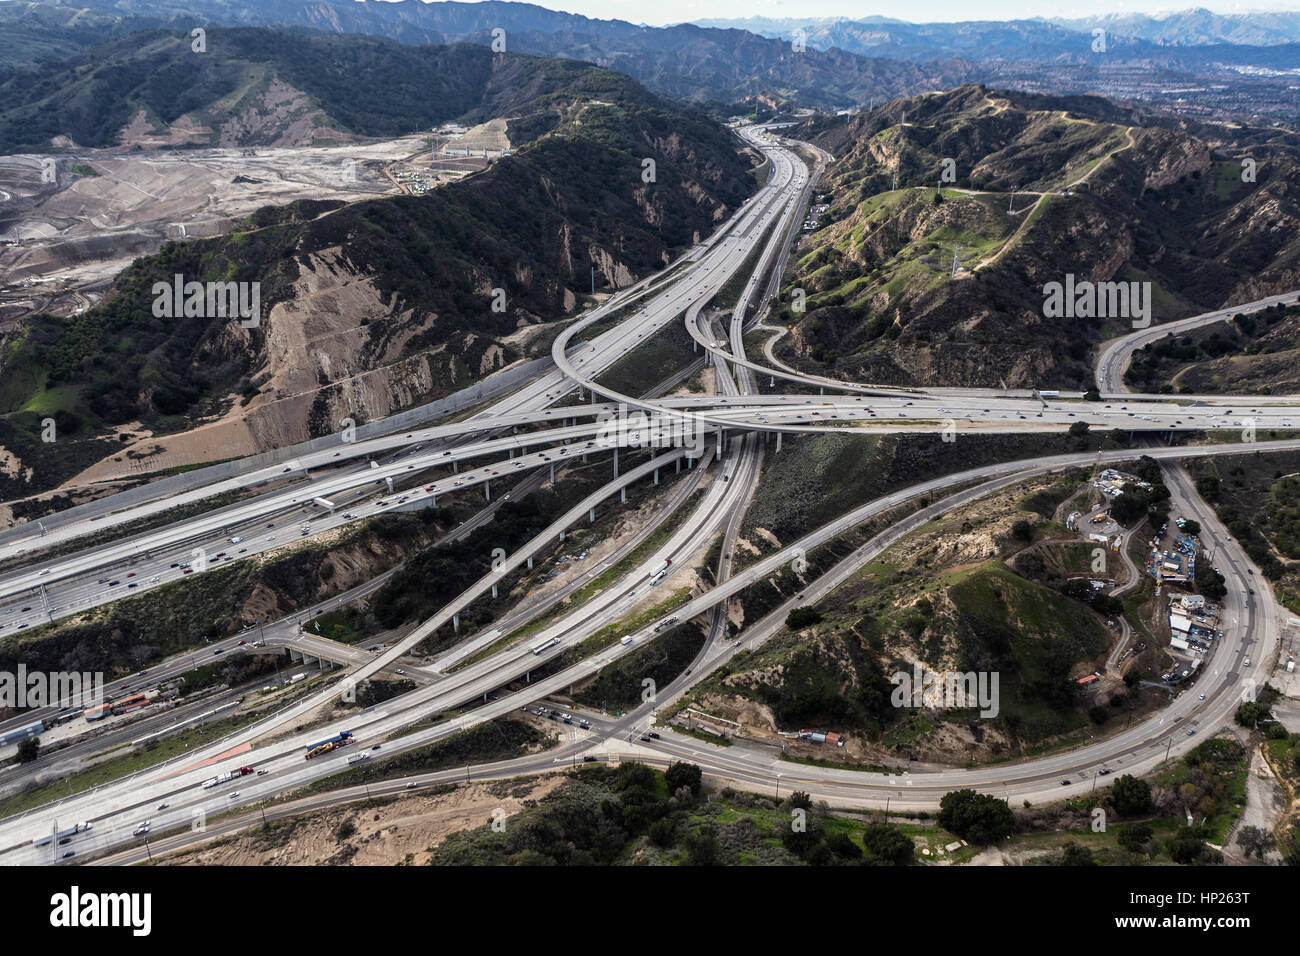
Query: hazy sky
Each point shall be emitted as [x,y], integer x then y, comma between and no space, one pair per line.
[675,11]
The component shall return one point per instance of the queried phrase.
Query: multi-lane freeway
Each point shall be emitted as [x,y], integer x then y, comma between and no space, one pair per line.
[528,433]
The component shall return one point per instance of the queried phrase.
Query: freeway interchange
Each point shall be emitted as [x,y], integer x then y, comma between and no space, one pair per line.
[717,441]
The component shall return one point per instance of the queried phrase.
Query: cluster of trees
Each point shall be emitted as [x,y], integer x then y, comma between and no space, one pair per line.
[1209,582]
[1257,715]
[976,817]
[602,815]
[802,617]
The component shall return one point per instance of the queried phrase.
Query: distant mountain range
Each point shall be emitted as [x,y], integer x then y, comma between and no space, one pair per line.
[1226,66]
[686,62]
[885,36]
[1199,27]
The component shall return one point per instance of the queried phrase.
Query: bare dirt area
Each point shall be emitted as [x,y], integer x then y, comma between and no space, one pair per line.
[405,830]
[69,223]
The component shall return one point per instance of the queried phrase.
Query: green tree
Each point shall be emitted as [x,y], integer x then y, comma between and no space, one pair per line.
[1130,796]
[702,848]
[976,817]
[1251,713]
[802,617]
[886,843]
[1187,846]
[1076,854]
[1135,837]
[683,775]
[1209,581]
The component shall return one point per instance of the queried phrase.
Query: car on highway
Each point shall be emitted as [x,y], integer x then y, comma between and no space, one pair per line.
[1246,662]
[70,853]
[412,785]
[163,806]
[234,795]
[142,829]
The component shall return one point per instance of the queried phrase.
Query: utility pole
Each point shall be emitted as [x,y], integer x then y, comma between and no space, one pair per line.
[956,259]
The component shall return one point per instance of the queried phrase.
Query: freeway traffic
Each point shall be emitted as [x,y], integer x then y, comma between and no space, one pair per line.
[719,435]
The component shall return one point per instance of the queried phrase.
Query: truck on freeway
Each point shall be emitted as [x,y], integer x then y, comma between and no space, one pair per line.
[659,573]
[341,739]
[63,834]
[226,777]
[544,645]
